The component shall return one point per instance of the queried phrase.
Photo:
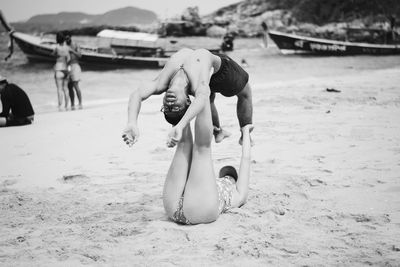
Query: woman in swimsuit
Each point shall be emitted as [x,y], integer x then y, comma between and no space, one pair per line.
[61,51]
[192,194]
[74,72]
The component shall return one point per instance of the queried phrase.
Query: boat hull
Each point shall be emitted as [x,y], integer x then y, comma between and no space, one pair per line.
[37,49]
[295,43]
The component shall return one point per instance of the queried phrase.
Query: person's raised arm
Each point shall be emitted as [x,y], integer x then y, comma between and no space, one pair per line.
[131,132]
[242,184]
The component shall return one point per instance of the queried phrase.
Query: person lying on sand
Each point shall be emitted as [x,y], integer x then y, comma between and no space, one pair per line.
[186,73]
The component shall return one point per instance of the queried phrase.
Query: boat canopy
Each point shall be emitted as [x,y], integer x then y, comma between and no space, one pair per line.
[137,36]
[129,39]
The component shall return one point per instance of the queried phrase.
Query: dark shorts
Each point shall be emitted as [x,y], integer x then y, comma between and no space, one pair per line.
[230,79]
[13,121]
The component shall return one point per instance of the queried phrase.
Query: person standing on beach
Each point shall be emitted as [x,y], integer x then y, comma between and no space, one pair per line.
[61,51]
[188,73]
[17,108]
[74,74]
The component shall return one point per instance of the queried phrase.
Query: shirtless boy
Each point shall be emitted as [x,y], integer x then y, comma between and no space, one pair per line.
[200,74]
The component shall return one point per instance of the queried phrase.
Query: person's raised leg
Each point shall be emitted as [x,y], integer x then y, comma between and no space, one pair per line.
[200,203]
[244,108]
[219,133]
[174,185]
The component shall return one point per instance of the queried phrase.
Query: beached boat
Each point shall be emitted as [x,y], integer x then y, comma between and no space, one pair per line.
[121,49]
[39,49]
[289,43]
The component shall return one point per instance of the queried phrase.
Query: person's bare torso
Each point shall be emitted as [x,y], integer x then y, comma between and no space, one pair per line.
[192,62]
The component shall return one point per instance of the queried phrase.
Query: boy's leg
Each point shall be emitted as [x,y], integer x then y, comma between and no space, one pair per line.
[214,112]
[218,132]
[244,108]
[174,185]
[200,203]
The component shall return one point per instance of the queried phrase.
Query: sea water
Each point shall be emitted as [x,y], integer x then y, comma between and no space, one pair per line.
[266,65]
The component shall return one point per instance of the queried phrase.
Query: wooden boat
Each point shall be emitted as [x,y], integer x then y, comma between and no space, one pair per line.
[300,44]
[129,55]
[38,49]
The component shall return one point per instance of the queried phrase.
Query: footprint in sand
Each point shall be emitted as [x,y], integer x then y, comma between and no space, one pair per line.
[9,182]
[75,179]
[278,210]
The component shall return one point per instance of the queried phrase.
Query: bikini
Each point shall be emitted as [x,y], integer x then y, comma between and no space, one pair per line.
[225,188]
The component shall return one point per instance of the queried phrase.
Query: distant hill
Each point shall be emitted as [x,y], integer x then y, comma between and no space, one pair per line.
[247,15]
[128,16]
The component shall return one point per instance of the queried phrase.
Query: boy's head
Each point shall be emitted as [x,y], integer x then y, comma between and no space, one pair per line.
[176,99]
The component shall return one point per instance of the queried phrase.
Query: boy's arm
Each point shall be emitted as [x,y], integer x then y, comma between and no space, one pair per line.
[131,131]
[139,95]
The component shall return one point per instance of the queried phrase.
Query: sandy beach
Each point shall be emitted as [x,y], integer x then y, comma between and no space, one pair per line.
[324,186]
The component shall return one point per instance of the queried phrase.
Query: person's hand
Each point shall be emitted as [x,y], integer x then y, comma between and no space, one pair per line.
[248,128]
[130,134]
[174,136]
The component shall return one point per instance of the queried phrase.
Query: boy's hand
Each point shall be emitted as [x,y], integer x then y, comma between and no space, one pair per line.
[130,134]
[174,136]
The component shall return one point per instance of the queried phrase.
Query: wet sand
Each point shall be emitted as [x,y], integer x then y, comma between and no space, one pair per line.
[324,187]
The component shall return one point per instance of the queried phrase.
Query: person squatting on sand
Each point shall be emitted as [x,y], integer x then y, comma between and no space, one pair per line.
[74,71]
[14,99]
[186,73]
[61,51]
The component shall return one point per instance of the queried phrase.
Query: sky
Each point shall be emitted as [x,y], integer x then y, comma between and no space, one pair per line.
[20,10]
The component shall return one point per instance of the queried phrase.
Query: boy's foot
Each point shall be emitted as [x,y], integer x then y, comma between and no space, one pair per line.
[220,134]
[80,106]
